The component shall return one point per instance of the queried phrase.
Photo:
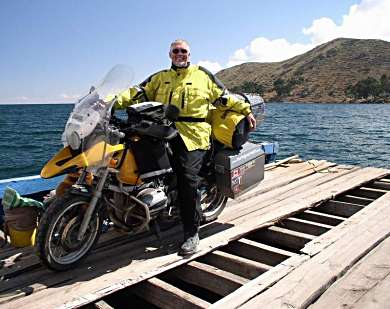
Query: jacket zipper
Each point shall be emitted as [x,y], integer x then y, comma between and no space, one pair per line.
[170,97]
[182,100]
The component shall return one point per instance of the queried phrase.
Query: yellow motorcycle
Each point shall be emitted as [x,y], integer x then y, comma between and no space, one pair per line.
[123,173]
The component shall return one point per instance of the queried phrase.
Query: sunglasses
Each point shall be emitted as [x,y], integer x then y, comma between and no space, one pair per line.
[177,50]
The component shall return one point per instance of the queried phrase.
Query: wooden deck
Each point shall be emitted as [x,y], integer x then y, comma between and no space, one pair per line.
[312,234]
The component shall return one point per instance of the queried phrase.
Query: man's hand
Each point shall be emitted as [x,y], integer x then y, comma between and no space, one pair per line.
[252,121]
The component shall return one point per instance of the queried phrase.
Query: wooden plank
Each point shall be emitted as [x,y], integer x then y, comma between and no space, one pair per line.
[240,266]
[378,297]
[166,296]
[319,217]
[258,252]
[305,226]
[282,177]
[209,277]
[282,238]
[14,287]
[281,162]
[338,208]
[101,304]
[17,264]
[30,261]
[259,284]
[331,185]
[107,277]
[380,185]
[298,186]
[114,239]
[19,282]
[363,201]
[307,282]
[360,282]
[294,168]
[337,232]
[368,192]
[50,281]
[9,251]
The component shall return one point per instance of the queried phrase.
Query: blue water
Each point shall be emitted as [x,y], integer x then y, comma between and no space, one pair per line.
[356,134]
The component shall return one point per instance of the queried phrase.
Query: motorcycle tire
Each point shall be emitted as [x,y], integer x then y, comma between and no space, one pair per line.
[212,205]
[57,244]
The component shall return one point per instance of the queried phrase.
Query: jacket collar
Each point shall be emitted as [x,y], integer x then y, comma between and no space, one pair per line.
[176,68]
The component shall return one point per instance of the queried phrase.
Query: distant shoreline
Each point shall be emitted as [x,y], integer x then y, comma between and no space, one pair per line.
[35,103]
[306,102]
[278,101]
[267,102]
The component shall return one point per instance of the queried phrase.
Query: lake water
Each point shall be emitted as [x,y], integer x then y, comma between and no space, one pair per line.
[357,134]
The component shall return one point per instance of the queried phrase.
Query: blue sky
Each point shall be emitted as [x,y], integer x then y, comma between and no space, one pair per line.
[52,51]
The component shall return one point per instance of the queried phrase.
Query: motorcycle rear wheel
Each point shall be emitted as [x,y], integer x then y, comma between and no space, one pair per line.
[57,243]
[212,204]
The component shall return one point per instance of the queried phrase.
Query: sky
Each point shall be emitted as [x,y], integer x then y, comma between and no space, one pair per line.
[53,51]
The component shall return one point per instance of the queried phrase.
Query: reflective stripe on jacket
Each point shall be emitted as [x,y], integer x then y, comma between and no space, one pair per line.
[195,91]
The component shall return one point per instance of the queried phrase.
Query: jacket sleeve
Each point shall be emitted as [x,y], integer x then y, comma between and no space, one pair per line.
[126,98]
[229,102]
[137,94]
[222,100]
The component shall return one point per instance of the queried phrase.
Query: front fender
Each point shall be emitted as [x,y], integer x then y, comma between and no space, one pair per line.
[65,162]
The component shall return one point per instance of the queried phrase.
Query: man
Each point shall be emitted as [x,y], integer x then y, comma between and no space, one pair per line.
[195,91]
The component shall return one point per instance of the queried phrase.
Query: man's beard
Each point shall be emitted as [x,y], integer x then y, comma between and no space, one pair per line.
[181,64]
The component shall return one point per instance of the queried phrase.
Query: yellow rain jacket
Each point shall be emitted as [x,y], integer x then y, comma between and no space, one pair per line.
[195,91]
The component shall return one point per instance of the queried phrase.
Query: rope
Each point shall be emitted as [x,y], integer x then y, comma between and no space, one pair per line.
[323,171]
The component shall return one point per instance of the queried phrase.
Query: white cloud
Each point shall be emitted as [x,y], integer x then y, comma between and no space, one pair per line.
[367,20]
[39,99]
[211,66]
[21,98]
[265,50]
[69,96]
[322,30]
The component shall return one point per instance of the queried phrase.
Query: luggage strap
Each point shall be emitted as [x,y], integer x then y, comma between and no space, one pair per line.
[190,119]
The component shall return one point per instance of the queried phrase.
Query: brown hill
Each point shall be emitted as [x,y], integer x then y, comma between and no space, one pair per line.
[319,75]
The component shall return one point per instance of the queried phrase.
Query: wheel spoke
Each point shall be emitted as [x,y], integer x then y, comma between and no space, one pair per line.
[62,243]
[59,251]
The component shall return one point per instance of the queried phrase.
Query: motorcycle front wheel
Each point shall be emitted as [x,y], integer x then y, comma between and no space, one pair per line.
[212,203]
[57,243]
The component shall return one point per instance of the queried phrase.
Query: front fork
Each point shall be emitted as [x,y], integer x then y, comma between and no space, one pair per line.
[92,205]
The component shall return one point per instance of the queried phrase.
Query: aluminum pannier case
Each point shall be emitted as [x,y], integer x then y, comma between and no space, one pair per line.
[238,171]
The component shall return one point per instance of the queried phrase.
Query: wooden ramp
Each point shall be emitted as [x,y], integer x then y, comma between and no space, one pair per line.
[292,242]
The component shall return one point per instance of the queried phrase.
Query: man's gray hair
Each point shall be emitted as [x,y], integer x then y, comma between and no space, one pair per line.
[180,41]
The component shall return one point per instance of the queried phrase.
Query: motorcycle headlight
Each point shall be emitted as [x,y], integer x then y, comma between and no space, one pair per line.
[74,140]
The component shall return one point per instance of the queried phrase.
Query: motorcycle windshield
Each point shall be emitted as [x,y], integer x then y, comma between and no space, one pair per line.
[257,104]
[93,111]
[257,107]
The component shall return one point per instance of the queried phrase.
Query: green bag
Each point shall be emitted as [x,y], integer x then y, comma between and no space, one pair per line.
[12,199]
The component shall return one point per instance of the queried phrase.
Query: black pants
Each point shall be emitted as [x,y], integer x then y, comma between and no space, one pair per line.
[186,165]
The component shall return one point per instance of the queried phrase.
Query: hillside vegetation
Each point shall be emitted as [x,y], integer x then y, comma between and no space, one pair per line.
[342,70]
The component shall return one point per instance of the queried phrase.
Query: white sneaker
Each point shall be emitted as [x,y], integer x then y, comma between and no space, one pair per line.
[190,246]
